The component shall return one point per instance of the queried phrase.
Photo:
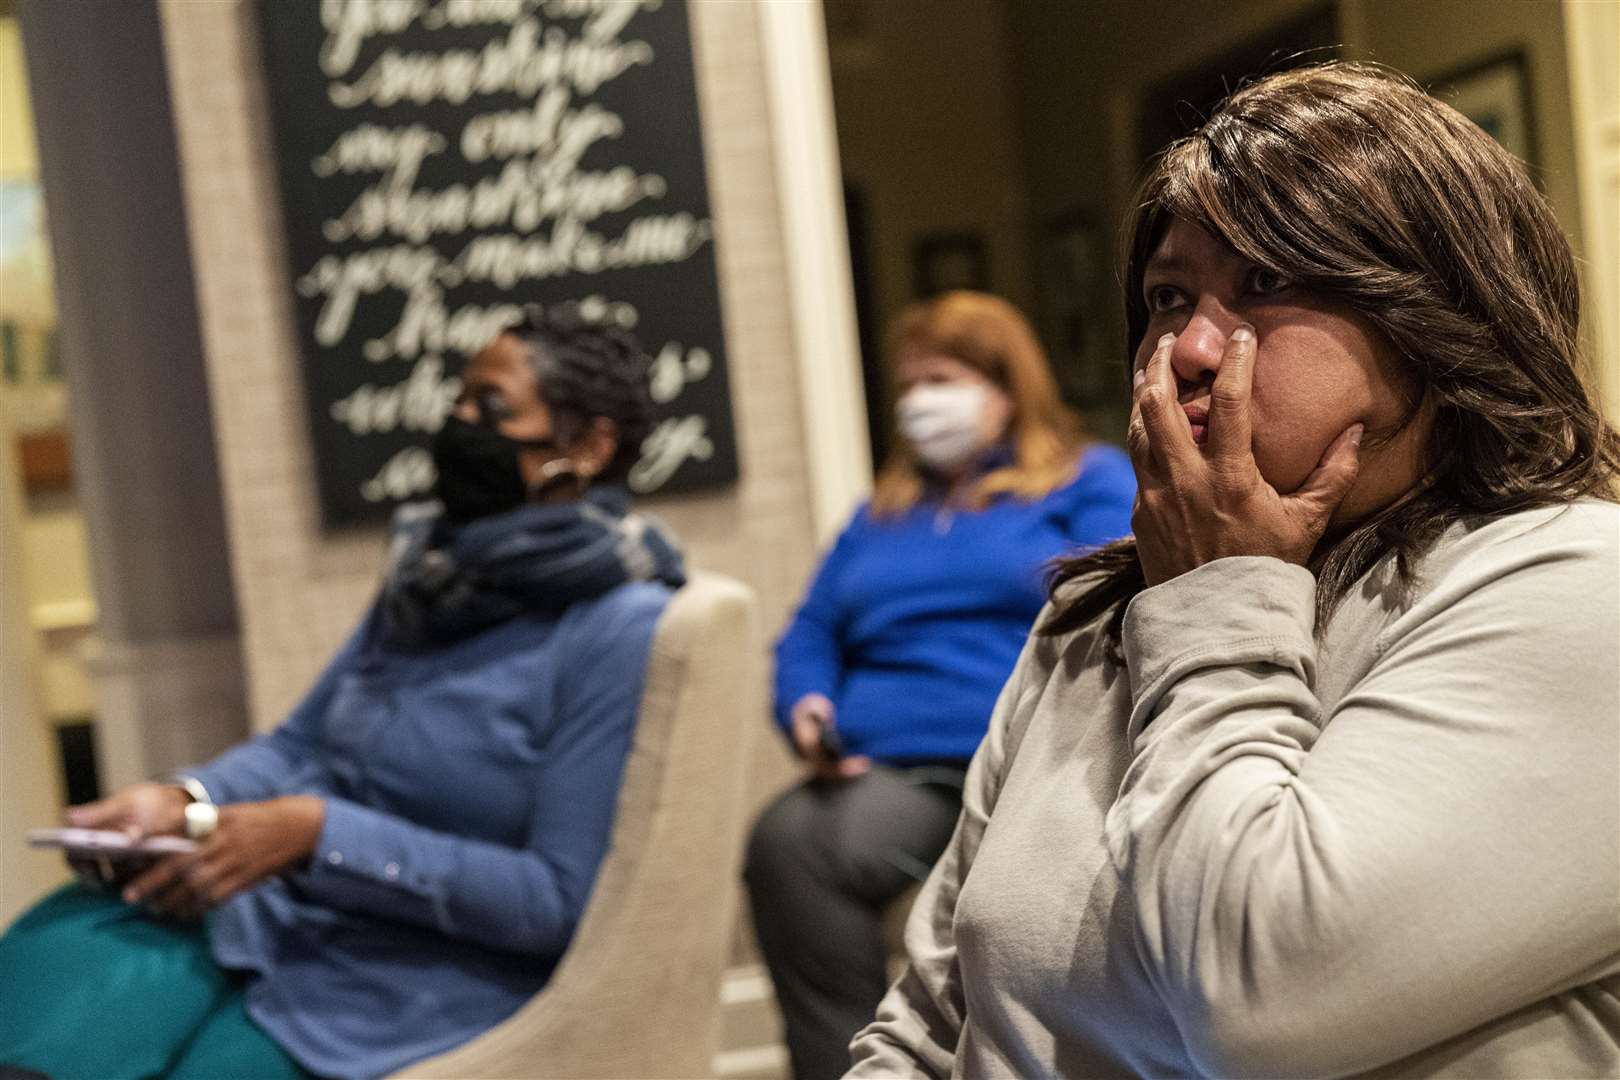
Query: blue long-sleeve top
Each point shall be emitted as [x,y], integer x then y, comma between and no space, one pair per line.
[470,791]
[911,624]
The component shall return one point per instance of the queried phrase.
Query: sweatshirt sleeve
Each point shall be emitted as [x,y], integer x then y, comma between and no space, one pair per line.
[810,653]
[920,1020]
[1318,895]
[522,899]
[267,764]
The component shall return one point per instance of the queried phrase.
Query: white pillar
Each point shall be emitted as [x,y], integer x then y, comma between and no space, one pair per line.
[815,238]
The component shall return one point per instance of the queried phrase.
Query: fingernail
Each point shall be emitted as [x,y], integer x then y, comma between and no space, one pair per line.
[1166,339]
[129,896]
[1243,333]
[1355,434]
[1141,376]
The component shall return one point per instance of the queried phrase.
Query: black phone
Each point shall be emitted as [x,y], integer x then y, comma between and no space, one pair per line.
[831,743]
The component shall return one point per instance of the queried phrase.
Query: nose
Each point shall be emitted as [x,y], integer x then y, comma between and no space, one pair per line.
[1196,355]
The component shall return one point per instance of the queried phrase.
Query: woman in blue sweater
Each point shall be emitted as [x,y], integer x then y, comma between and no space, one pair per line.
[400,864]
[888,673]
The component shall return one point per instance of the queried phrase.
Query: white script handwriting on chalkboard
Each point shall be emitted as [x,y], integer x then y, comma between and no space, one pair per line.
[349,24]
[504,215]
[456,160]
[671,444]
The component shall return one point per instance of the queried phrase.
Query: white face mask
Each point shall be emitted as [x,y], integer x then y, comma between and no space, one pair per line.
[941,421]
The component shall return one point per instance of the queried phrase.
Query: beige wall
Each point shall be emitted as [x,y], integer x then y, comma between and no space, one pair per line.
[29,792]
[1080,71]
[48,531]
[926,127]
[1592,30]
[1437,36]
[17,156]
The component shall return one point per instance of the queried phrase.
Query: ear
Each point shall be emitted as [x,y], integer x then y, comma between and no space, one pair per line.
[593,450]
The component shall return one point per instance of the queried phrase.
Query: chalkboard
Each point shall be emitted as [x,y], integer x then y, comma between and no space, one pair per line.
[444,162]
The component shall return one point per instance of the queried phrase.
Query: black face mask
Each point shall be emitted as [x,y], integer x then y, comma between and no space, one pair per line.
[479,473]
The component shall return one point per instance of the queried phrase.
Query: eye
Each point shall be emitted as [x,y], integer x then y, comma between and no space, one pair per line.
[492,407]
[1162,298]
[1265,281]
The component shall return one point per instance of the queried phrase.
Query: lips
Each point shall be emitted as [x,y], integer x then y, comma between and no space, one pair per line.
[1197,420]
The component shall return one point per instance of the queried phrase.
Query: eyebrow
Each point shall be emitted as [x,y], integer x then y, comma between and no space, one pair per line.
[1166,264]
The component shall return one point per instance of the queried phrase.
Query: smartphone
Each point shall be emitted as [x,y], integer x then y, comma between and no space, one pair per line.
[108,844]
[831,743]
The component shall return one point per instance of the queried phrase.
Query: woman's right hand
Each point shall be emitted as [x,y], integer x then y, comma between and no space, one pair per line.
[138,811]
[813,714]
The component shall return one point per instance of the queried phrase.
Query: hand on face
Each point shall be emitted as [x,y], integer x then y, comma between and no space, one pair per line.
[252,842]
[1195,505]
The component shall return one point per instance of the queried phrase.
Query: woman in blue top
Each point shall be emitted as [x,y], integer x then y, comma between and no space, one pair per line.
[401,864]
[888,673]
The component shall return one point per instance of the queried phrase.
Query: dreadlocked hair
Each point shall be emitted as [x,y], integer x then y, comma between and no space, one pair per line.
[586,370]
[1353,182]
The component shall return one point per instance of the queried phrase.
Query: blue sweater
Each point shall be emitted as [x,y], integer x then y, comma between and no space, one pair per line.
[911,625]
[470,791]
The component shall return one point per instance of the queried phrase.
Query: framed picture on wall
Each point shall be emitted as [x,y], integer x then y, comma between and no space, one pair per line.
[945,261]
[1495,94]
[1073,289]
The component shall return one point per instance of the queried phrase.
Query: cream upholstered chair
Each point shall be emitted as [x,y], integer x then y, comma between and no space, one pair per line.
[637,993]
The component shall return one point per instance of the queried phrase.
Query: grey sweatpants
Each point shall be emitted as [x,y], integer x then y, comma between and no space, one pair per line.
[824,861]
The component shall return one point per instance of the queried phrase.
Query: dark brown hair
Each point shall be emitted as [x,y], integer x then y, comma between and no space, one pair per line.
[584,370]
[988,334]
[1358,186]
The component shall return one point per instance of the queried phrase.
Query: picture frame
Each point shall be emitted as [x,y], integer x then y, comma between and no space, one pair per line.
[1494,92]
[945,261]
[1074,285]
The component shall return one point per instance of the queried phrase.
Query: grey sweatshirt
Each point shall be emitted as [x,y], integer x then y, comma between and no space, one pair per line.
[1393,850]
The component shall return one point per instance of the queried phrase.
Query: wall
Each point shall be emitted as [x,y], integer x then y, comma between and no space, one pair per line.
[1592,31]
[16,121]
[29,792]
[49,528]
[1438,36]
[926,129]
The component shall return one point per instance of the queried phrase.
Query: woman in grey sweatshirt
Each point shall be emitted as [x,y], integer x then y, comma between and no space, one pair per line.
[1319,775]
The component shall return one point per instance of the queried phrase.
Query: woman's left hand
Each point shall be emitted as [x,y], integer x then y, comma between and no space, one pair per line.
[1195,506]
[252,841]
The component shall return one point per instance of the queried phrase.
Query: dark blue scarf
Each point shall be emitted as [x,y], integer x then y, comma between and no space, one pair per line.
[445,582]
